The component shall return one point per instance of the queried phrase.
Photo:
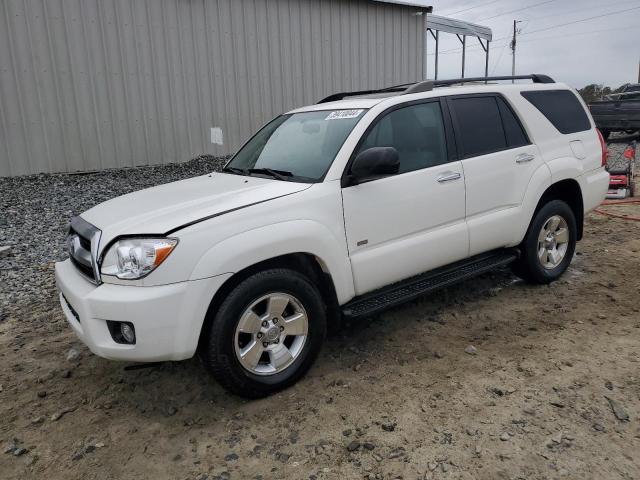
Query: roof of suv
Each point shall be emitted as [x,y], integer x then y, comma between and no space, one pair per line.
[369,100]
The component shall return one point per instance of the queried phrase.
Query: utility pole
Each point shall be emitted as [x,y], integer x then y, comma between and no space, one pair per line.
[513,50]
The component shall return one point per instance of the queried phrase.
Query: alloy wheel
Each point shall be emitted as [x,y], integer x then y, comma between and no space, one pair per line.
[553,242]
[271,333]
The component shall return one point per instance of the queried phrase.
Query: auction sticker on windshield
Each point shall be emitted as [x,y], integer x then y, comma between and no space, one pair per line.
[342,114]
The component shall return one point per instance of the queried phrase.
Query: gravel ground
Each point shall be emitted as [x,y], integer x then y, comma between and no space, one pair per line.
[35,211]
[490,379]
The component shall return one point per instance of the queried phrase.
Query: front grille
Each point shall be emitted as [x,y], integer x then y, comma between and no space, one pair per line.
[86,270]
[86,244]
[82,242]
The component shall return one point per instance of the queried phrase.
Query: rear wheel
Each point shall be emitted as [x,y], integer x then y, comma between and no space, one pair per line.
[266,333]
[549,245]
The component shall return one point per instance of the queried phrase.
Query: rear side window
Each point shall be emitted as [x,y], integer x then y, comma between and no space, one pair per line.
[562,109]
[512,126]
[479,125]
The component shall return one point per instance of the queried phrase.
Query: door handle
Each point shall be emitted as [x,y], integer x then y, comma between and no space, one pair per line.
[449,177]
[524,158]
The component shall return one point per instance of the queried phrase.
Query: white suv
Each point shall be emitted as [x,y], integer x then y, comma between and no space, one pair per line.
[358,203]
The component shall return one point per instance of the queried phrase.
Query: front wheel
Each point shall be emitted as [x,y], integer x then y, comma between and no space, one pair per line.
[266,333]
[549,245]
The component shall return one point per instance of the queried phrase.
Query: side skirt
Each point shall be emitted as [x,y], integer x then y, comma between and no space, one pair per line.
[411,288]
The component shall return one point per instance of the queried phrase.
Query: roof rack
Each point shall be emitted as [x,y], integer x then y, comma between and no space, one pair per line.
[428,85]
[339,96]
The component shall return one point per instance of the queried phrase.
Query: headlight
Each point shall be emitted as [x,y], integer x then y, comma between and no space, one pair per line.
[134,258]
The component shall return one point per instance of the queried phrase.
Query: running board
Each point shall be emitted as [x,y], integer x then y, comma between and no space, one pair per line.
[414,287]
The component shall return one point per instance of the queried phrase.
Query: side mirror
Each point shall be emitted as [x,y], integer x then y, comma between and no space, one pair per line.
[373,163]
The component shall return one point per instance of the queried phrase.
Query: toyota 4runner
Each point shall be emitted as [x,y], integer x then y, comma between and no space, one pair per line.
[343,208]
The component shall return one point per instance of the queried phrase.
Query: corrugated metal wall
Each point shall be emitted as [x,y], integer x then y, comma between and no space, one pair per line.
[93,84]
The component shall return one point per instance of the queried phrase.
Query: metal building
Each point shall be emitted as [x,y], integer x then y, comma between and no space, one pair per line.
[94,84]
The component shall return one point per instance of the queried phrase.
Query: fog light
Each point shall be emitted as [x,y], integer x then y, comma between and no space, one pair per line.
[122,332]
[127,333]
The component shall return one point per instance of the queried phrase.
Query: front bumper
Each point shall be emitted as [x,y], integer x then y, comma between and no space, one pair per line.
[167,318]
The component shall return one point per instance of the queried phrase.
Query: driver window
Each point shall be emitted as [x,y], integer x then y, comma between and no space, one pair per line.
[416,132]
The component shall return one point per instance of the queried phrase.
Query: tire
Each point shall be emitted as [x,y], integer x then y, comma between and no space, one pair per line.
[233,329]
[605,134]
[531,266]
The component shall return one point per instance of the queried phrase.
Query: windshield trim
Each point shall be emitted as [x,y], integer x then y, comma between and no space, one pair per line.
[295,178]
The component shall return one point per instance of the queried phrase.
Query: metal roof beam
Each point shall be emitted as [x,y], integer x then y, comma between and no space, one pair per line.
[458,27]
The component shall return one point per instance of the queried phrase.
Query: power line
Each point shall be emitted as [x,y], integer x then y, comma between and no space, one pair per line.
[553,37]
[499,58]
[476,47]
[572,34]
[570,12]
[551,27]
[471,8]
[516,10]
[581,20]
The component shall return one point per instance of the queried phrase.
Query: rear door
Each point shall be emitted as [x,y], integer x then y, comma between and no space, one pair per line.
[498,161]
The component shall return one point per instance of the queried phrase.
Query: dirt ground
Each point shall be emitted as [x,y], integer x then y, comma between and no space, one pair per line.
[555,373]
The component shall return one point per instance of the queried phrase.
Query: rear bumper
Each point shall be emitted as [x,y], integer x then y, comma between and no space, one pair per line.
[594,186]
[167,318]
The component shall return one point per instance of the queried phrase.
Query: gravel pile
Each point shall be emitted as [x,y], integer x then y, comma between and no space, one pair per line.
[35,211]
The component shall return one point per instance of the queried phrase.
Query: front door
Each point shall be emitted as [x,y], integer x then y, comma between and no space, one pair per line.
[405,224]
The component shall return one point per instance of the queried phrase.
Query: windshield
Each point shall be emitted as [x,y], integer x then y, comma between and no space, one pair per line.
[298,147]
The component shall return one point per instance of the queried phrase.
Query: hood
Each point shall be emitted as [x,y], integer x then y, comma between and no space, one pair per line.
[162,209]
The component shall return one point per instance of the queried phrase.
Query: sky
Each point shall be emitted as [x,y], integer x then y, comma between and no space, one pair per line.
[605,49]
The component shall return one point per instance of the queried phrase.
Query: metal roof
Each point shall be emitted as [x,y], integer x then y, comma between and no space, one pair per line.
[450,25]
[445,24]
[409,3]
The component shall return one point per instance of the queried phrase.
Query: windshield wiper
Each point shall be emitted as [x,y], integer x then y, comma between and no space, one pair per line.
[237,171]
[277,174]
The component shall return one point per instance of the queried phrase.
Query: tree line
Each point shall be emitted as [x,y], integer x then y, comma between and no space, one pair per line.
[595,91]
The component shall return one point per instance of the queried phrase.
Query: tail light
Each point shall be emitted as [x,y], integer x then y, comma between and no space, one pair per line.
[603,144]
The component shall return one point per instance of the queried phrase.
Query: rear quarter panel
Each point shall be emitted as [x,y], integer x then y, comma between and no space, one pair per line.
[576,156]
[554,145]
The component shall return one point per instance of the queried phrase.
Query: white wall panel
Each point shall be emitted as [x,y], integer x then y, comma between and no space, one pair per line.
[94,84]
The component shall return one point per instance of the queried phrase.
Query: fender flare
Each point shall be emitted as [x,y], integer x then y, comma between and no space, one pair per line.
[539,182]
[270,241]
[557,170]
[565,168]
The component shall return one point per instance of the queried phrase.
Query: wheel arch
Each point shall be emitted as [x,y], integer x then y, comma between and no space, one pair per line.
[569,191]
[305,263]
